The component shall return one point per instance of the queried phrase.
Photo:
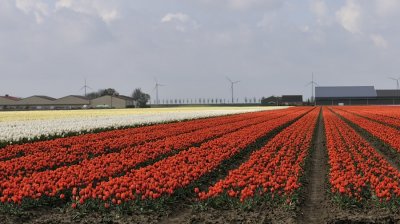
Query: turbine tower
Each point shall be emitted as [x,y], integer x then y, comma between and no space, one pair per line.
[397,85]
[156,88]
[232,84]
[85,87]
[312,83]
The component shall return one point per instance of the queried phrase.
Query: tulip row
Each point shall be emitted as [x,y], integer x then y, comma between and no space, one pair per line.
[55,123]
[92,170]
[118,138]
[274,169]
[58,157]
[178,171]
[357,170]
[385,133]
[388,116]
[112,164]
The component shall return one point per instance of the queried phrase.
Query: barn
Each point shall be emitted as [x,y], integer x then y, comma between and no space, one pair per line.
[355,95]
[71,102]
[36,102]
[8,101]
[108,101]
[296,100]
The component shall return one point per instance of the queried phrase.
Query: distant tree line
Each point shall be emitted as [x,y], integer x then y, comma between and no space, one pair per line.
[142,99]
[252,100]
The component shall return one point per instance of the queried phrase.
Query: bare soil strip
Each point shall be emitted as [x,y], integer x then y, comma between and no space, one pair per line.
[313,208]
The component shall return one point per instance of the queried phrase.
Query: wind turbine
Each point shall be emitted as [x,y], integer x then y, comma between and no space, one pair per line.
[85,87]
[232,83]
[156,88]
[312,83]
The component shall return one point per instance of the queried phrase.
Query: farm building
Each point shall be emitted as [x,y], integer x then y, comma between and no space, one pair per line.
[71,102]
[292,100]
[8,101]
[388,96]
[36,102]
[108,101]
[354,95]
[271,101]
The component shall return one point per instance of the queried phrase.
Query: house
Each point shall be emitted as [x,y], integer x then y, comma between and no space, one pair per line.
[109,101]
[296,100]
[71,102]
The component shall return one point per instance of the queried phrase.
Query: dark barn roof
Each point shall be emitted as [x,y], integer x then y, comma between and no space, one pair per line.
[292,98]
[388,93]
[344,91]
[10,97]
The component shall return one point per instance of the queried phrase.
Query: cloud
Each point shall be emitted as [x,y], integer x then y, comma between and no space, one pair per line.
[349,16]
[169,17]
[181,21]
[387,7]
[320,9]
[38,8]
[268,21]
[249,4]
[379,40]
[304,29]
[102,9]
[244,5]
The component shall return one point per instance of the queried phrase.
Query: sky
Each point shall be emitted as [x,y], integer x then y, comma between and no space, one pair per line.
[48,47]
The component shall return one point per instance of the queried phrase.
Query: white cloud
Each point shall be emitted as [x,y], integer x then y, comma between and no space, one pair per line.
[38,8]
[304,29]
[320,9]
[349,16]
[169,17]
[248,4]
[379,40]
[387,7]
[268,20]
[181,21]
[242,5]
[102,9]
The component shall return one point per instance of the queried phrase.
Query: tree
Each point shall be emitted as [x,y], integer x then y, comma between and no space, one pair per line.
[140,97]
[93,95]
[102,92]
[108,92]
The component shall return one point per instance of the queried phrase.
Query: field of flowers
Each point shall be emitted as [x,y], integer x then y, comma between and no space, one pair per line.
[30,125]
[246,159]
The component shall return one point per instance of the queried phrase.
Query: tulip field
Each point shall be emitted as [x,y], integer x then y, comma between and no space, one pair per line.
[243,165]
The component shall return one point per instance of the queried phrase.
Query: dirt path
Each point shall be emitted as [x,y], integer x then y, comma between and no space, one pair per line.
[313,209]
